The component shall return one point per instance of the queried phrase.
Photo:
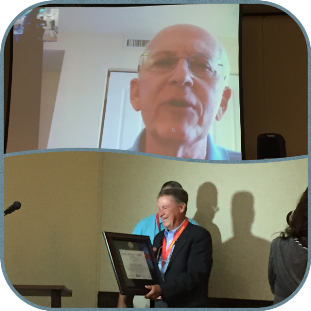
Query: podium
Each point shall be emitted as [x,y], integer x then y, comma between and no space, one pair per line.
[56,292]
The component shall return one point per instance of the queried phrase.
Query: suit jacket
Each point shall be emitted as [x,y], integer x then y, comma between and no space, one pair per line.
[186,278]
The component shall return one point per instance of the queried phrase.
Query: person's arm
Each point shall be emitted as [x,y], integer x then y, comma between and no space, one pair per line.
[199,264]
[121,301]
[125,301]
[155,290]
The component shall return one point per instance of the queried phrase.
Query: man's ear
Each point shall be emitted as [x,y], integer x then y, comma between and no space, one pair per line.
[182,207]
[134,94]
[224,103]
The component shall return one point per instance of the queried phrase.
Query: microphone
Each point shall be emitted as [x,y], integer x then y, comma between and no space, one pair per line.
[16,205]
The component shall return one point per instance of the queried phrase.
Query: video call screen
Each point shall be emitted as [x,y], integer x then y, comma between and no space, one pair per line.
[155,79]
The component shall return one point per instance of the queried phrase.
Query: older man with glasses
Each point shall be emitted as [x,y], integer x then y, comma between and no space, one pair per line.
[180,90]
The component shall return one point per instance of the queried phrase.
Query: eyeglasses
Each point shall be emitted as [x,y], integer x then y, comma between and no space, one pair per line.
[200,65]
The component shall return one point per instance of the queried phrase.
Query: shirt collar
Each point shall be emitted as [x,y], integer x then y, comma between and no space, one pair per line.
[174,230]
[213,152]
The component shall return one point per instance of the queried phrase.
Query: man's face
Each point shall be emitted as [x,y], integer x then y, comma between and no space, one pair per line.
[171,213]
[176,104]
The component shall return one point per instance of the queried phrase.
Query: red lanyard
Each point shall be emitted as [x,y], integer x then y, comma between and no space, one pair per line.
[165,252]
[158,222]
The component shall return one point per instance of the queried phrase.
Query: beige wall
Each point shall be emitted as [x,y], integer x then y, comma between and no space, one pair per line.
[241,191]
[69,198]
[53,239]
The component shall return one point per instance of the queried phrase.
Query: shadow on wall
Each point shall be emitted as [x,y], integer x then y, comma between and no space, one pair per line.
[245,256]
[207,207]
[240,265]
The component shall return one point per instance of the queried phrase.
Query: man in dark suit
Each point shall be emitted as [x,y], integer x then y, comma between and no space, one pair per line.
[185,255]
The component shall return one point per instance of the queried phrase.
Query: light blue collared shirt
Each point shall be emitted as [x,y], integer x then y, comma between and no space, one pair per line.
[213,151]
[169,235]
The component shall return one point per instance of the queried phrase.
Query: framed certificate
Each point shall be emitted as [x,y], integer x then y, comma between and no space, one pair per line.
[133,262]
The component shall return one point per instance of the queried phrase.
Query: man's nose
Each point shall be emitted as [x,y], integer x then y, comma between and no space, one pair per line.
[181,74]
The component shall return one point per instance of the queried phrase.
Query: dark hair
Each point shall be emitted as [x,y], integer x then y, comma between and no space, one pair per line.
[171,184]
[179,195]
[298,226]
[288,217]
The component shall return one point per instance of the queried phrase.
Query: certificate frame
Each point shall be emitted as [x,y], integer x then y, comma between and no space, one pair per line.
[120,245]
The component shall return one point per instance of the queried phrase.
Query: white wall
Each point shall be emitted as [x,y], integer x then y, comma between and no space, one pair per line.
[80,98]
[49,86]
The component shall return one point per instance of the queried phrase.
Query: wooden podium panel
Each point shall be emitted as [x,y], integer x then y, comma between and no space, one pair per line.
[56,292]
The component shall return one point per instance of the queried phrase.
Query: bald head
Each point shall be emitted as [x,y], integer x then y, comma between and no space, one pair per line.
[171,32]
[182,34]
[181,89]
